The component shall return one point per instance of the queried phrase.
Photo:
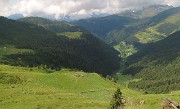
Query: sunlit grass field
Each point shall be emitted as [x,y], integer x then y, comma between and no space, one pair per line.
[33,88]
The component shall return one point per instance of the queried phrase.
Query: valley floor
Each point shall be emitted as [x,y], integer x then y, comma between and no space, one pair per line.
[32,88]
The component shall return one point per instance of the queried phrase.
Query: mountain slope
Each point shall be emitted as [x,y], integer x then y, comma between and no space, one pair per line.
[55,26]
[161,25]
[145,31]
[149,29]
[127,32]
[30,45]
[157,66]
[149,11]
[103,25]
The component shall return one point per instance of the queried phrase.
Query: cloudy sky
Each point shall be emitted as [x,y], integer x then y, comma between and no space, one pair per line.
[74,8]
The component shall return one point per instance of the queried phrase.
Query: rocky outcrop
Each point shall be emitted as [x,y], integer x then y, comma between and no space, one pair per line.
[169,104]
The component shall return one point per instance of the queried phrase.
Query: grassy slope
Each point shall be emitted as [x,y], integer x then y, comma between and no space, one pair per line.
[134,98]
[160,30]
[61,89]
[36,89]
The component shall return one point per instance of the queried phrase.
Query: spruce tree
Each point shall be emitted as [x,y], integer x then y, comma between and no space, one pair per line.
[117,102]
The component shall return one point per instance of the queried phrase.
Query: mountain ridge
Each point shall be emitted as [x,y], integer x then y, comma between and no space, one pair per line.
[103,25]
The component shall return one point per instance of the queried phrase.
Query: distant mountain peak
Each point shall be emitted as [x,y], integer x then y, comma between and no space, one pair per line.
[15,16]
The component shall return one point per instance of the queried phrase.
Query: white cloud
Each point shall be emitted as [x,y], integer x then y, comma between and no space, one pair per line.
[74,8]
[172,2]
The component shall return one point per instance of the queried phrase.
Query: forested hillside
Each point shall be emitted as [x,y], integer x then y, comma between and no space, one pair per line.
[157,66]
[30,45]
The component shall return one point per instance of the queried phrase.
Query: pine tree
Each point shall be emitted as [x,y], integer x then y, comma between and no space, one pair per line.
[117,102]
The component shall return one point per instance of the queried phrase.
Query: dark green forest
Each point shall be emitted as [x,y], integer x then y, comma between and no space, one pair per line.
[157,66]
[48,50]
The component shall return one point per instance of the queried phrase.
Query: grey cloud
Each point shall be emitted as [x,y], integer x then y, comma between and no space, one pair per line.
[74,8]
[4,3]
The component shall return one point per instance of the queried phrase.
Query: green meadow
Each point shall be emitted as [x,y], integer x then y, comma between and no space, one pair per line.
[33,88]
[71,35]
